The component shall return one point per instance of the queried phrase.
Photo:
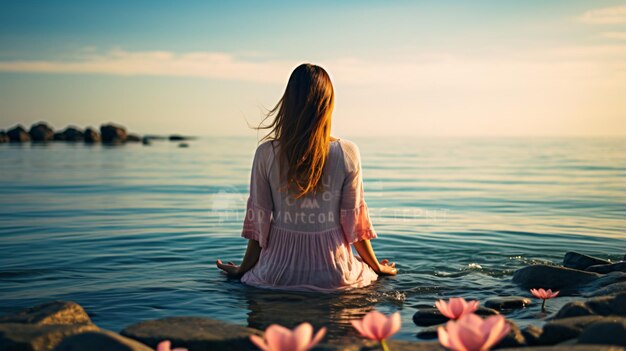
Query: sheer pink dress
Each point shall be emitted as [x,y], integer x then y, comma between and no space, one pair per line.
[306,242]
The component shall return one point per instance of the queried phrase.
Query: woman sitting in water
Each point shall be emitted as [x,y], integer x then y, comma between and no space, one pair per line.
[306,202]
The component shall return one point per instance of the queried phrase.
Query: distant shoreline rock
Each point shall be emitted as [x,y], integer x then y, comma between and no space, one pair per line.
[108,133]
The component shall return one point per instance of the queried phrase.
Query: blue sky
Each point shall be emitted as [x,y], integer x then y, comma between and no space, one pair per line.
[399,67]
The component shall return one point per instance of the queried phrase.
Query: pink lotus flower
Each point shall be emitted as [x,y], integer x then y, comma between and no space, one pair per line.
[166,346]
[544,295]
[472,333]
[279,338]
[456,307]
[377,326]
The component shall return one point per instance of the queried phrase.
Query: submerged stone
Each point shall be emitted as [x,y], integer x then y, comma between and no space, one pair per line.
[507,302]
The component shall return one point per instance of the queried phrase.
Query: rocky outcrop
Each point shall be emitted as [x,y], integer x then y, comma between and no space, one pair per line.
[194,333]
[91,136]
[4,138]
[41,132]
[102,340]
[71,134]
[18,134]
[580,261]
[112,133]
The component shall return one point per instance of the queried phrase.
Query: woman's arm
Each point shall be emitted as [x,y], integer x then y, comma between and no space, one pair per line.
[366,251]
[251,257]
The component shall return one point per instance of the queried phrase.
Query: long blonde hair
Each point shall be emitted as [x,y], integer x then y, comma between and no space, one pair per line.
[301,125]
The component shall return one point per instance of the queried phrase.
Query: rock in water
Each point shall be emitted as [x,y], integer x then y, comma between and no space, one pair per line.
[102,340]
[579,261]
[56,312]
[175,137]
[42,327]
[4,138]
[91,136]
[41,132]
[425,317]
[18,134]
[551,277]
[70,134]
[133,138]
[608,268]
[507,302]
[112,133]
[194,333]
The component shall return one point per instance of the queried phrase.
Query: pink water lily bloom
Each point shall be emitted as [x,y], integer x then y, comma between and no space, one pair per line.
[279,338]
[544,294]
[472,333]
[456,307]
[166,346]
[377,326]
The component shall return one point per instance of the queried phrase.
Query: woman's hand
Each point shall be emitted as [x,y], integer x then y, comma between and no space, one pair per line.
[387,268]
[231,269]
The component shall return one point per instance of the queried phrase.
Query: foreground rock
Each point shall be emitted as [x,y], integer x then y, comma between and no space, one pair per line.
[102,340]
[41,132]
[33,337]
[557,331]
[112,133]
[56,312]
[601,306]
[42,327]
[580,261]
[609,331]
[18,134]
[552,277]
[194,333]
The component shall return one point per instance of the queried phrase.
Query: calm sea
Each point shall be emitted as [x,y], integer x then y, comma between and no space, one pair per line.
[132,232]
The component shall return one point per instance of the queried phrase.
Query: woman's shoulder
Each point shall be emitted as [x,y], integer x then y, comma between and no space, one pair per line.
[351,153]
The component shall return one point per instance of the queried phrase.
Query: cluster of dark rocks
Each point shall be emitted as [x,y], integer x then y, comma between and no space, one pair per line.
[595,322]
[108,133]
[597,318]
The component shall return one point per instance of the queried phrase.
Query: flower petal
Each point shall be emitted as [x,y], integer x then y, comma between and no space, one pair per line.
[392,325]
[442,306]
[164,345]
[258,341]
[318,337]
[302,336]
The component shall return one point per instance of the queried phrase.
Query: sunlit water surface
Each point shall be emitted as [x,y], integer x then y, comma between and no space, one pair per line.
[131,232]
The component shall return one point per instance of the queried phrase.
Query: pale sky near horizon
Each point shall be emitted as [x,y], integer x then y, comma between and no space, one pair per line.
[441,68]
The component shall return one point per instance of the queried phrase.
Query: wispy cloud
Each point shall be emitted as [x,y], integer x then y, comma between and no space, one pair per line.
[212,65]
[416,70]
[607,15]
[615,35]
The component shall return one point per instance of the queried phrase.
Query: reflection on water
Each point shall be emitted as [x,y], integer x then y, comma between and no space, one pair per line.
[131,232]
